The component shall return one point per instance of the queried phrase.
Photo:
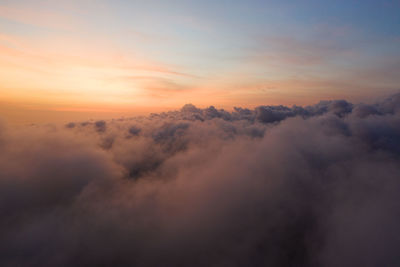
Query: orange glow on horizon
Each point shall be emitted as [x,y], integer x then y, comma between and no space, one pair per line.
[79,58]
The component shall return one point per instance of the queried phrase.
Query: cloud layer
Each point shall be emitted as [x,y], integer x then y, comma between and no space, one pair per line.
[270,186]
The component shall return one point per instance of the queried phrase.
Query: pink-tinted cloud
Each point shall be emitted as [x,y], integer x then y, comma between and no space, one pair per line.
[40,18]
[300,186]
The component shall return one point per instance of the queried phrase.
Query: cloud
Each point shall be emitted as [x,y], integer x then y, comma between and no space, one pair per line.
[158,87]
[43,18]
[320,47]
[270,186]
[100,126]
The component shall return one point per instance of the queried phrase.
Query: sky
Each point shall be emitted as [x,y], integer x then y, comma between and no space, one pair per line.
[84,59]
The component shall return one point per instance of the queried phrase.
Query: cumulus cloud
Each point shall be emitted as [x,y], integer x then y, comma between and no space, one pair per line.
[270,186]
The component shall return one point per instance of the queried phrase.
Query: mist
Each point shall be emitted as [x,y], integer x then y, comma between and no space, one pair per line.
[271,186]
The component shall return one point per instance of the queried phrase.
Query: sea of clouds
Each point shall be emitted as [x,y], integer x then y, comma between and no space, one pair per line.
[270,186]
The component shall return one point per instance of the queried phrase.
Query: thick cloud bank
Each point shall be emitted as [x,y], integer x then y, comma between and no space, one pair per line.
[273,186]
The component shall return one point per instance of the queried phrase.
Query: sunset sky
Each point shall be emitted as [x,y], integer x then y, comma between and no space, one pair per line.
[79,59]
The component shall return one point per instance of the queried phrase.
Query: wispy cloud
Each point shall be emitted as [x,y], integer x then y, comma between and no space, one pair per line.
[38,17]
[158,86]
